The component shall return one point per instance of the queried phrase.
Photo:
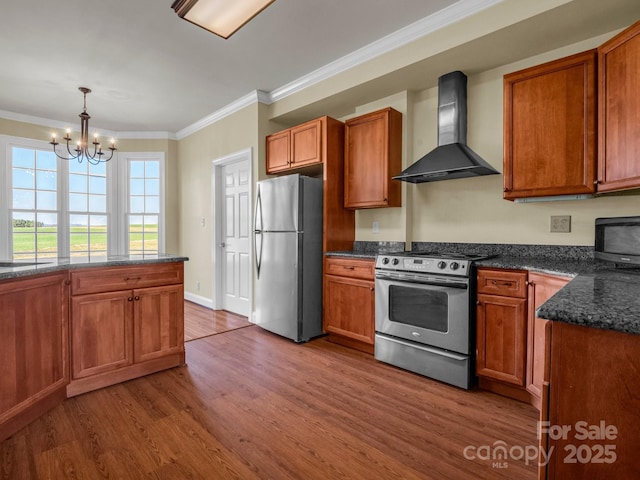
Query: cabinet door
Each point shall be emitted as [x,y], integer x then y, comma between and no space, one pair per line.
[541,288]
[619,104]
[373,150]
[278,151]
[101,332]
[501,338]
[549,128]
[306,144]
[159,322]
[349,308]
[33,348]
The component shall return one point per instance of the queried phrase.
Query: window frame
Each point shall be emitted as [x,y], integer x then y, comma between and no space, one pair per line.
[117,198]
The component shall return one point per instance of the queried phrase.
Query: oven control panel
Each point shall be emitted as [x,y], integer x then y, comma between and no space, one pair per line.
[423,264]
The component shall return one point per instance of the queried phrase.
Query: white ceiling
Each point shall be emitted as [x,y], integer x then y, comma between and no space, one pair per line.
[150,71]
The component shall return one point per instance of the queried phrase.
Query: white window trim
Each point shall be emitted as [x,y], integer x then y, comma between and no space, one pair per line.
[123,199]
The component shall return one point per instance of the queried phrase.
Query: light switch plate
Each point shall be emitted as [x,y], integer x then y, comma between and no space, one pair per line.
[375,227]
[560,223]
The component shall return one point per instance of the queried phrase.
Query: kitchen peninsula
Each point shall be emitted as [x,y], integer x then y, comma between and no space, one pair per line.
[70,326]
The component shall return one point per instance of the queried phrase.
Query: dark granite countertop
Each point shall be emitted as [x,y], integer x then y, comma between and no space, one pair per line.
[66,263]
[352,254]
[363,249]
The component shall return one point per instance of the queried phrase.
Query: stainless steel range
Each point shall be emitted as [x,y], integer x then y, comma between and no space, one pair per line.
[425,314]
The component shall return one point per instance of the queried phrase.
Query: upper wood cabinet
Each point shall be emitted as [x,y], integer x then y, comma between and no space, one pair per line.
[373,154]
[295,147]
[619,111]
[550,128]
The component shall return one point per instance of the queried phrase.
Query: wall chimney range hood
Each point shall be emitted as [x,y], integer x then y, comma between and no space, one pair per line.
[452,158]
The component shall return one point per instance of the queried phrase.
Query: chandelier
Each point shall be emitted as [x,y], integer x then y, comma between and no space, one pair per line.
[82,149]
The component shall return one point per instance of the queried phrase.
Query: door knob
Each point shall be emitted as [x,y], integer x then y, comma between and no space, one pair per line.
[222,245]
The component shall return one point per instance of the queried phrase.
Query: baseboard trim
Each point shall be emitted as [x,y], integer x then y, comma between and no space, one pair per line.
[205,302]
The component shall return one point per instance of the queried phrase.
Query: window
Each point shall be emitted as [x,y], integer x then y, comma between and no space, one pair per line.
[60,208]
[34,203]
[88,218]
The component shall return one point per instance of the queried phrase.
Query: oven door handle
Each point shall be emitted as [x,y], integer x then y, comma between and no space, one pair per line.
[444,353]
[400,277]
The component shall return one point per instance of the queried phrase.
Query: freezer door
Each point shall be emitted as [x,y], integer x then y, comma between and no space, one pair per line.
[277,289]
[277,204]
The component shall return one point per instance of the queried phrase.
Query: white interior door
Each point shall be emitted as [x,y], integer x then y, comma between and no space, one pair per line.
[234,237]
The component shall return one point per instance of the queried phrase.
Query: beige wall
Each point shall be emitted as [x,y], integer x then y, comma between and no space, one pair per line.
[196,153]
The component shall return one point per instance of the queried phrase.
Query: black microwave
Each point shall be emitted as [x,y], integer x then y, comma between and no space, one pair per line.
[618,239]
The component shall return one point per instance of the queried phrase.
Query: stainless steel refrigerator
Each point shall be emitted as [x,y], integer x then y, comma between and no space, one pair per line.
[288,256]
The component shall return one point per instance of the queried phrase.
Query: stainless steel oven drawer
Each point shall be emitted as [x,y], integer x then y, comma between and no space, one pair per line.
[449,367]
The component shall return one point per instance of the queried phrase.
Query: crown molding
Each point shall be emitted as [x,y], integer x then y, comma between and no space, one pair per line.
[257,96]
[440,19]
[56,124]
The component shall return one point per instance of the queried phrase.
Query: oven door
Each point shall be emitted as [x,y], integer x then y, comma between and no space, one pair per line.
[430,310]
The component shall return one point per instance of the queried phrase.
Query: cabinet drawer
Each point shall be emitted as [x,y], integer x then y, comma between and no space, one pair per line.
[507,283]
[96,280]
[349,267]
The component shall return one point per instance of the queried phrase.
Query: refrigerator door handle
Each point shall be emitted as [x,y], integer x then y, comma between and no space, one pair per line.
[257,251]
[258,213]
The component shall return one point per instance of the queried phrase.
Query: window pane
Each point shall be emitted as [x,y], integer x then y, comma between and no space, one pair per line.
[136,204]
[98,221]
[46,160]
[153,169]
[152,204]
[47,219]
[47,242]
[24,243]
[76,167]
[79,221]
[77,183]
[136,169]
[23,178]
[46,200]
[24,199]
[78,241]
[46,180]
[98,185]
[77,202]
[152,187]
[99,169]
[23,157]
[136,186]
[24,221]
[97,203]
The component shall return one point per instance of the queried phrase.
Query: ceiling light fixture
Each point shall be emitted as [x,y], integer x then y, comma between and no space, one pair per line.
[222,17]
[82,145]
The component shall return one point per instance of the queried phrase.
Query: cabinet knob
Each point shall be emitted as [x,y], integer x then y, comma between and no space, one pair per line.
[130,299]
[478,302]
[67,282]
[371,288]
[596,182]
[137,297]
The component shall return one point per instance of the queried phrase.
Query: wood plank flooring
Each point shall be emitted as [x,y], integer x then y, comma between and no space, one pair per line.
[200,321]
[252,405]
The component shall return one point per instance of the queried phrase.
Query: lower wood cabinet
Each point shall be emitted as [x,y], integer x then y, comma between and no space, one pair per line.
[501,326]
[541,288]
[34,367]
[349,302]
[125,332]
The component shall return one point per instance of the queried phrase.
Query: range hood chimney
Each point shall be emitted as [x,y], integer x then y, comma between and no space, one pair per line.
[452,158]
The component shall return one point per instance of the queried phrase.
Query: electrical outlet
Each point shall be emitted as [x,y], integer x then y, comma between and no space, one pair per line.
[197,286]
[560,223]
[375,227]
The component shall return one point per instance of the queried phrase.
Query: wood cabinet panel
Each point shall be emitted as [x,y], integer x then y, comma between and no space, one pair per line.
[373,154]
[350,267]
[96,280]
[501,338]
[594,380]
[541,288]
[34,368]
[506,283]
[306,144]
[349,302]
[619,111]
[101,337]
[550,128]
[278,151]
[159,326]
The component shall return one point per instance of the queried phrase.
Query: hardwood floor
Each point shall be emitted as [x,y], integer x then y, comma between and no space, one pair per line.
[252,405]
[200,321]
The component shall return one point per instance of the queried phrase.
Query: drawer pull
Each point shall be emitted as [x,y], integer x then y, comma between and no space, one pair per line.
[130,299]
[349,268]
[502,283]
[134,279]
[137,297]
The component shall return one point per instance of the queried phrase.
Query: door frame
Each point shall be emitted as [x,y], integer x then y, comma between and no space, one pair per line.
[245,155]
